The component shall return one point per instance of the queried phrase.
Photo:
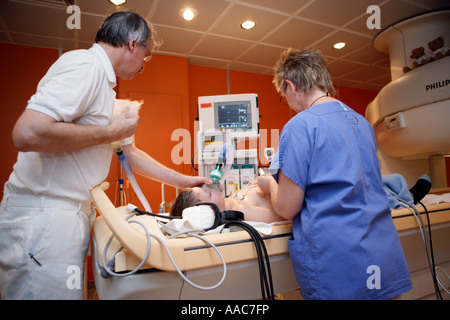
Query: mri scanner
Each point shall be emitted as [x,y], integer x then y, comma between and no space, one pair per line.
[411,121]
[410,117]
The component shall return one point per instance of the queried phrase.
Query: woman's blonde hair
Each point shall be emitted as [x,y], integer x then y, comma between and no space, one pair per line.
[307,69]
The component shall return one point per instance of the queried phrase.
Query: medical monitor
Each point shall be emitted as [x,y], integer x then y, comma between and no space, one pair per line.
[236,114]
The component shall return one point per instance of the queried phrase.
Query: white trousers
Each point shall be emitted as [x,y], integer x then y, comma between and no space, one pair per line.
[43,247]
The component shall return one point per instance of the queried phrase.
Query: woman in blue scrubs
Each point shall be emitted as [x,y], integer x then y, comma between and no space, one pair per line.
[344,244]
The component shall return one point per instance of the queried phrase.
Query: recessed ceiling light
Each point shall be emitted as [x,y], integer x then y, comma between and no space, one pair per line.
[339,45]
[117,2]
[188,14]
[247,25]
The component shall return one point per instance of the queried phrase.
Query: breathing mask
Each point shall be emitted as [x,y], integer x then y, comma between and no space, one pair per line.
[225,160]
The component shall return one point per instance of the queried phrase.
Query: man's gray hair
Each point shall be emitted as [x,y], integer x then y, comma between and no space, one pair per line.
[121,27]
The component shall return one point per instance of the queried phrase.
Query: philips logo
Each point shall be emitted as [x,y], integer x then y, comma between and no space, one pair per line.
[437,85]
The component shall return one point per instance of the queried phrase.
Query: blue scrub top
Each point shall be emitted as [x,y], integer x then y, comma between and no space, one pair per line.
[344,244]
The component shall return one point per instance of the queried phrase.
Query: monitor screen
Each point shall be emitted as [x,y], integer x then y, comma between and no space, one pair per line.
[234,115]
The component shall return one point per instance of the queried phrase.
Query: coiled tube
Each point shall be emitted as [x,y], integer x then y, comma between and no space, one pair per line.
[126,168]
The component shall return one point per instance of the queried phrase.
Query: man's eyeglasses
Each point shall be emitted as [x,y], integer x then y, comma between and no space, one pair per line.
[148,56]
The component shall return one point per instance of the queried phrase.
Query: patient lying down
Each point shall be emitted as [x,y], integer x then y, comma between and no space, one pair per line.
[252,202]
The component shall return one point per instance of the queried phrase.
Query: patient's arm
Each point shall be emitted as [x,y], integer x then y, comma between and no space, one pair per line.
[254,213]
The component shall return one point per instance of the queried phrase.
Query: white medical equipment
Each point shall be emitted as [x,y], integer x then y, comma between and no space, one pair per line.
[410,117]
[228,119]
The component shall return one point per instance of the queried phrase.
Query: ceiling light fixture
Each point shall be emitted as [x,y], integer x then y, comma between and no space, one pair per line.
[188,14]
[247,25]
[117,2]
[339,45]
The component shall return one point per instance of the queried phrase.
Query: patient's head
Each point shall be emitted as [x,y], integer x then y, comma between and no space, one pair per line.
[190,197]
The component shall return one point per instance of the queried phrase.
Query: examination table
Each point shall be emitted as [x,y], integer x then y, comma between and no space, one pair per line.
[158,279]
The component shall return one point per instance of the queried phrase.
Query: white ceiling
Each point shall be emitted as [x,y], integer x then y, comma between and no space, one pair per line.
[215,38]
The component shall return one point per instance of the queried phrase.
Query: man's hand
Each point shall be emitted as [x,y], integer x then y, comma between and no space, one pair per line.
[196,181]
[124,124]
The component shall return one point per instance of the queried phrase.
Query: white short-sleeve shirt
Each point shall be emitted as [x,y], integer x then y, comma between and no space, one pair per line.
[77,88]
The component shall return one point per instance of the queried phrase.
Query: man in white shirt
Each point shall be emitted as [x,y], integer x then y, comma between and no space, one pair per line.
[64,140]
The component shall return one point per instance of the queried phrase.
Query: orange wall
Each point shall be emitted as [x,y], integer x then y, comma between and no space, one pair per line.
[357,99]
[163,86]
[204,81]
[273,113]
[21,69]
